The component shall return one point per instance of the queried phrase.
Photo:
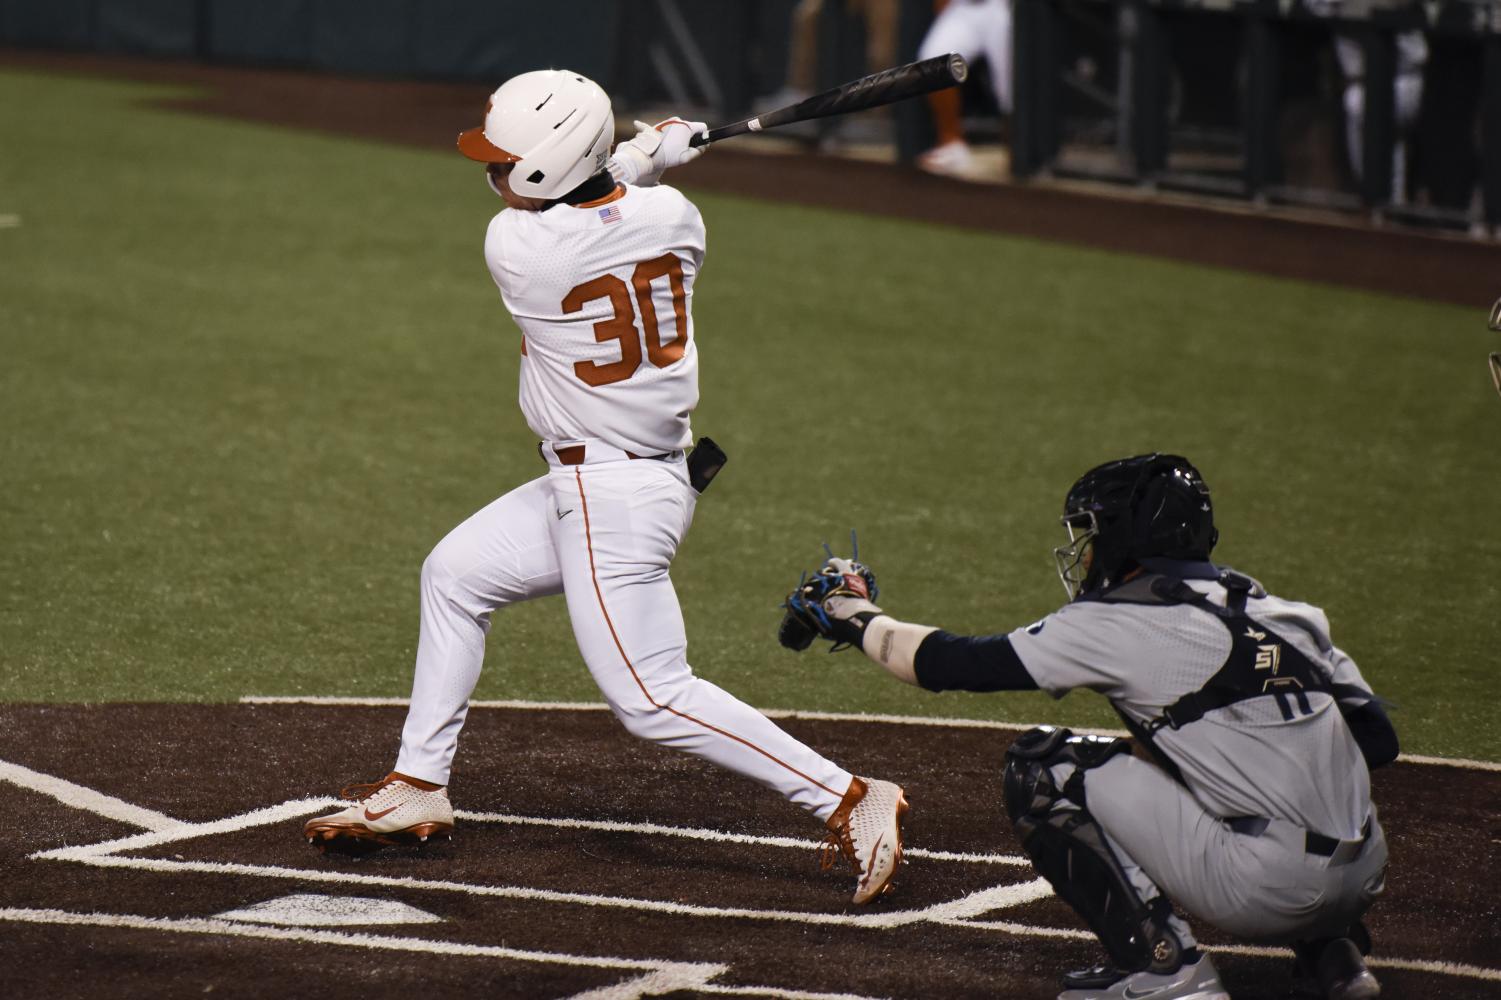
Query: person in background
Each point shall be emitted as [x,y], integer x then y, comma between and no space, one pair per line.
[975,29]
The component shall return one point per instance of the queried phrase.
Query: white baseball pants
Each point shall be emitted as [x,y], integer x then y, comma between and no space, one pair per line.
[602,533]
[975,29]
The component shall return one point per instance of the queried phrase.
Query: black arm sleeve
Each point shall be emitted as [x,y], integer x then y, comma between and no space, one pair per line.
[947,662]
[1373,732]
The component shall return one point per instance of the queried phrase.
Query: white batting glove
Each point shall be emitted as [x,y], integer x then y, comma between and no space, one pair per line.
[642,159]
[676,134]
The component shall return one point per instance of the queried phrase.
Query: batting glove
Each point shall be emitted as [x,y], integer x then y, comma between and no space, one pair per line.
[642,159]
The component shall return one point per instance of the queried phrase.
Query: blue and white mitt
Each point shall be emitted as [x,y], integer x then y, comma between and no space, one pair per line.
[835,603]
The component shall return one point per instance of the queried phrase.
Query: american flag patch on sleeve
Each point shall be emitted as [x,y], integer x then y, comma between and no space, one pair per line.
[609,214]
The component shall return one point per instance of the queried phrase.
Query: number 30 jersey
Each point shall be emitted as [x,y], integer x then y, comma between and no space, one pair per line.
[603,294]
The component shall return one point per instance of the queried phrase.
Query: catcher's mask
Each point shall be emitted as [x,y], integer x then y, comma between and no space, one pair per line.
[1124,511]
[1073,567]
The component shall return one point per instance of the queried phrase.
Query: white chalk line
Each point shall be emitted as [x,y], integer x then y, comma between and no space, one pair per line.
[196,925]
[958,913]
[955,913]
[779,994]
[1376,962]
[301,807]
[86,799]
[680,975]
[997,897]
[877,921]
[694,975]
[790,713]
[1464,762]
[661,976]
[1458,969]
[651,984]
[186,831]
[1019,930]
[1436,968]
[107,854]
[692,833]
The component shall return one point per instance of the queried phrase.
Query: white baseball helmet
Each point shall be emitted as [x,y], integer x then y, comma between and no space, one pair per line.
[555,125]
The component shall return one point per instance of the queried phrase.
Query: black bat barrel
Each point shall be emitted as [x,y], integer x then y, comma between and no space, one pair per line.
[874,91]
[886,87]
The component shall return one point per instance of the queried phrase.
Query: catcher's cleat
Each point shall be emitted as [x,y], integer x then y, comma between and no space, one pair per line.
[388,812]
[866,830]
[1096,977]
[1193,980]
[1334,970]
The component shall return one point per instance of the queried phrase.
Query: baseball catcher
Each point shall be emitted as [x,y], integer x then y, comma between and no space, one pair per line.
[1255,813]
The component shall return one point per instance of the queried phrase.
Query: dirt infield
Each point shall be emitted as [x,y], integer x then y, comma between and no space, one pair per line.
[1344,252]
[588,861]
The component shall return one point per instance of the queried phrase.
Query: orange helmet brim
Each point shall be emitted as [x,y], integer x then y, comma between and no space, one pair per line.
[473,144]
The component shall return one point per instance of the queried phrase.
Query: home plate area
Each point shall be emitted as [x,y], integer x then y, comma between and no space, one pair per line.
[155,850]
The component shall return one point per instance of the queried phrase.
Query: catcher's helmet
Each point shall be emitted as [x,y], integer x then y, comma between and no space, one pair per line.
[554,125]
[1130,509]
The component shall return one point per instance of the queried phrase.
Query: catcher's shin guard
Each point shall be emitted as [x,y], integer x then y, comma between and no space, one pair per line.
[1044,794]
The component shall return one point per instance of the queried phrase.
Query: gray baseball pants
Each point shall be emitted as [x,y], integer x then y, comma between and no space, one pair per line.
[1266,888]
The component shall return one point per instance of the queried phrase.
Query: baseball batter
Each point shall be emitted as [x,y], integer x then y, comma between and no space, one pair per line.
[1256,815]
[596,262]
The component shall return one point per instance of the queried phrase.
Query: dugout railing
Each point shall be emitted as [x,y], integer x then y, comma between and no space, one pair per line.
[1135,129]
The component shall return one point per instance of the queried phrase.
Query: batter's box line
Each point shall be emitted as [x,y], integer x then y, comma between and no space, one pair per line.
[86,799]
[957,913]
[658,976]
[164,829]
[716,836]
[109,854]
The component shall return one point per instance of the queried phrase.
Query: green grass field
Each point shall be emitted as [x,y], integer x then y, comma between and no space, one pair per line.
[249,376]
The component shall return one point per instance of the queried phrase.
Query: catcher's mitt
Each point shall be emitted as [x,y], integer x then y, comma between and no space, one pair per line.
[835,603]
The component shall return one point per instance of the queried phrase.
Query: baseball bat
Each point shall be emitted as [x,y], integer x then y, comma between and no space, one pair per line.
[885,87]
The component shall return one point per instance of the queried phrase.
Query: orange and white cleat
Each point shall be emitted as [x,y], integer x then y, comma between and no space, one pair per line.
[866,830]
[394,810]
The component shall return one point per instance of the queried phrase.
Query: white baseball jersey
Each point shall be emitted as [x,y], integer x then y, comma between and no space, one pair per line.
[1243,759]
[603,294]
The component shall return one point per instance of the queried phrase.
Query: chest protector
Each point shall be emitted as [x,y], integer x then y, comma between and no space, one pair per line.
[1261,663]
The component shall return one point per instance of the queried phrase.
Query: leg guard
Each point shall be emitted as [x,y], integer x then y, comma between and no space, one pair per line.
[1044,792]
[1047,764]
